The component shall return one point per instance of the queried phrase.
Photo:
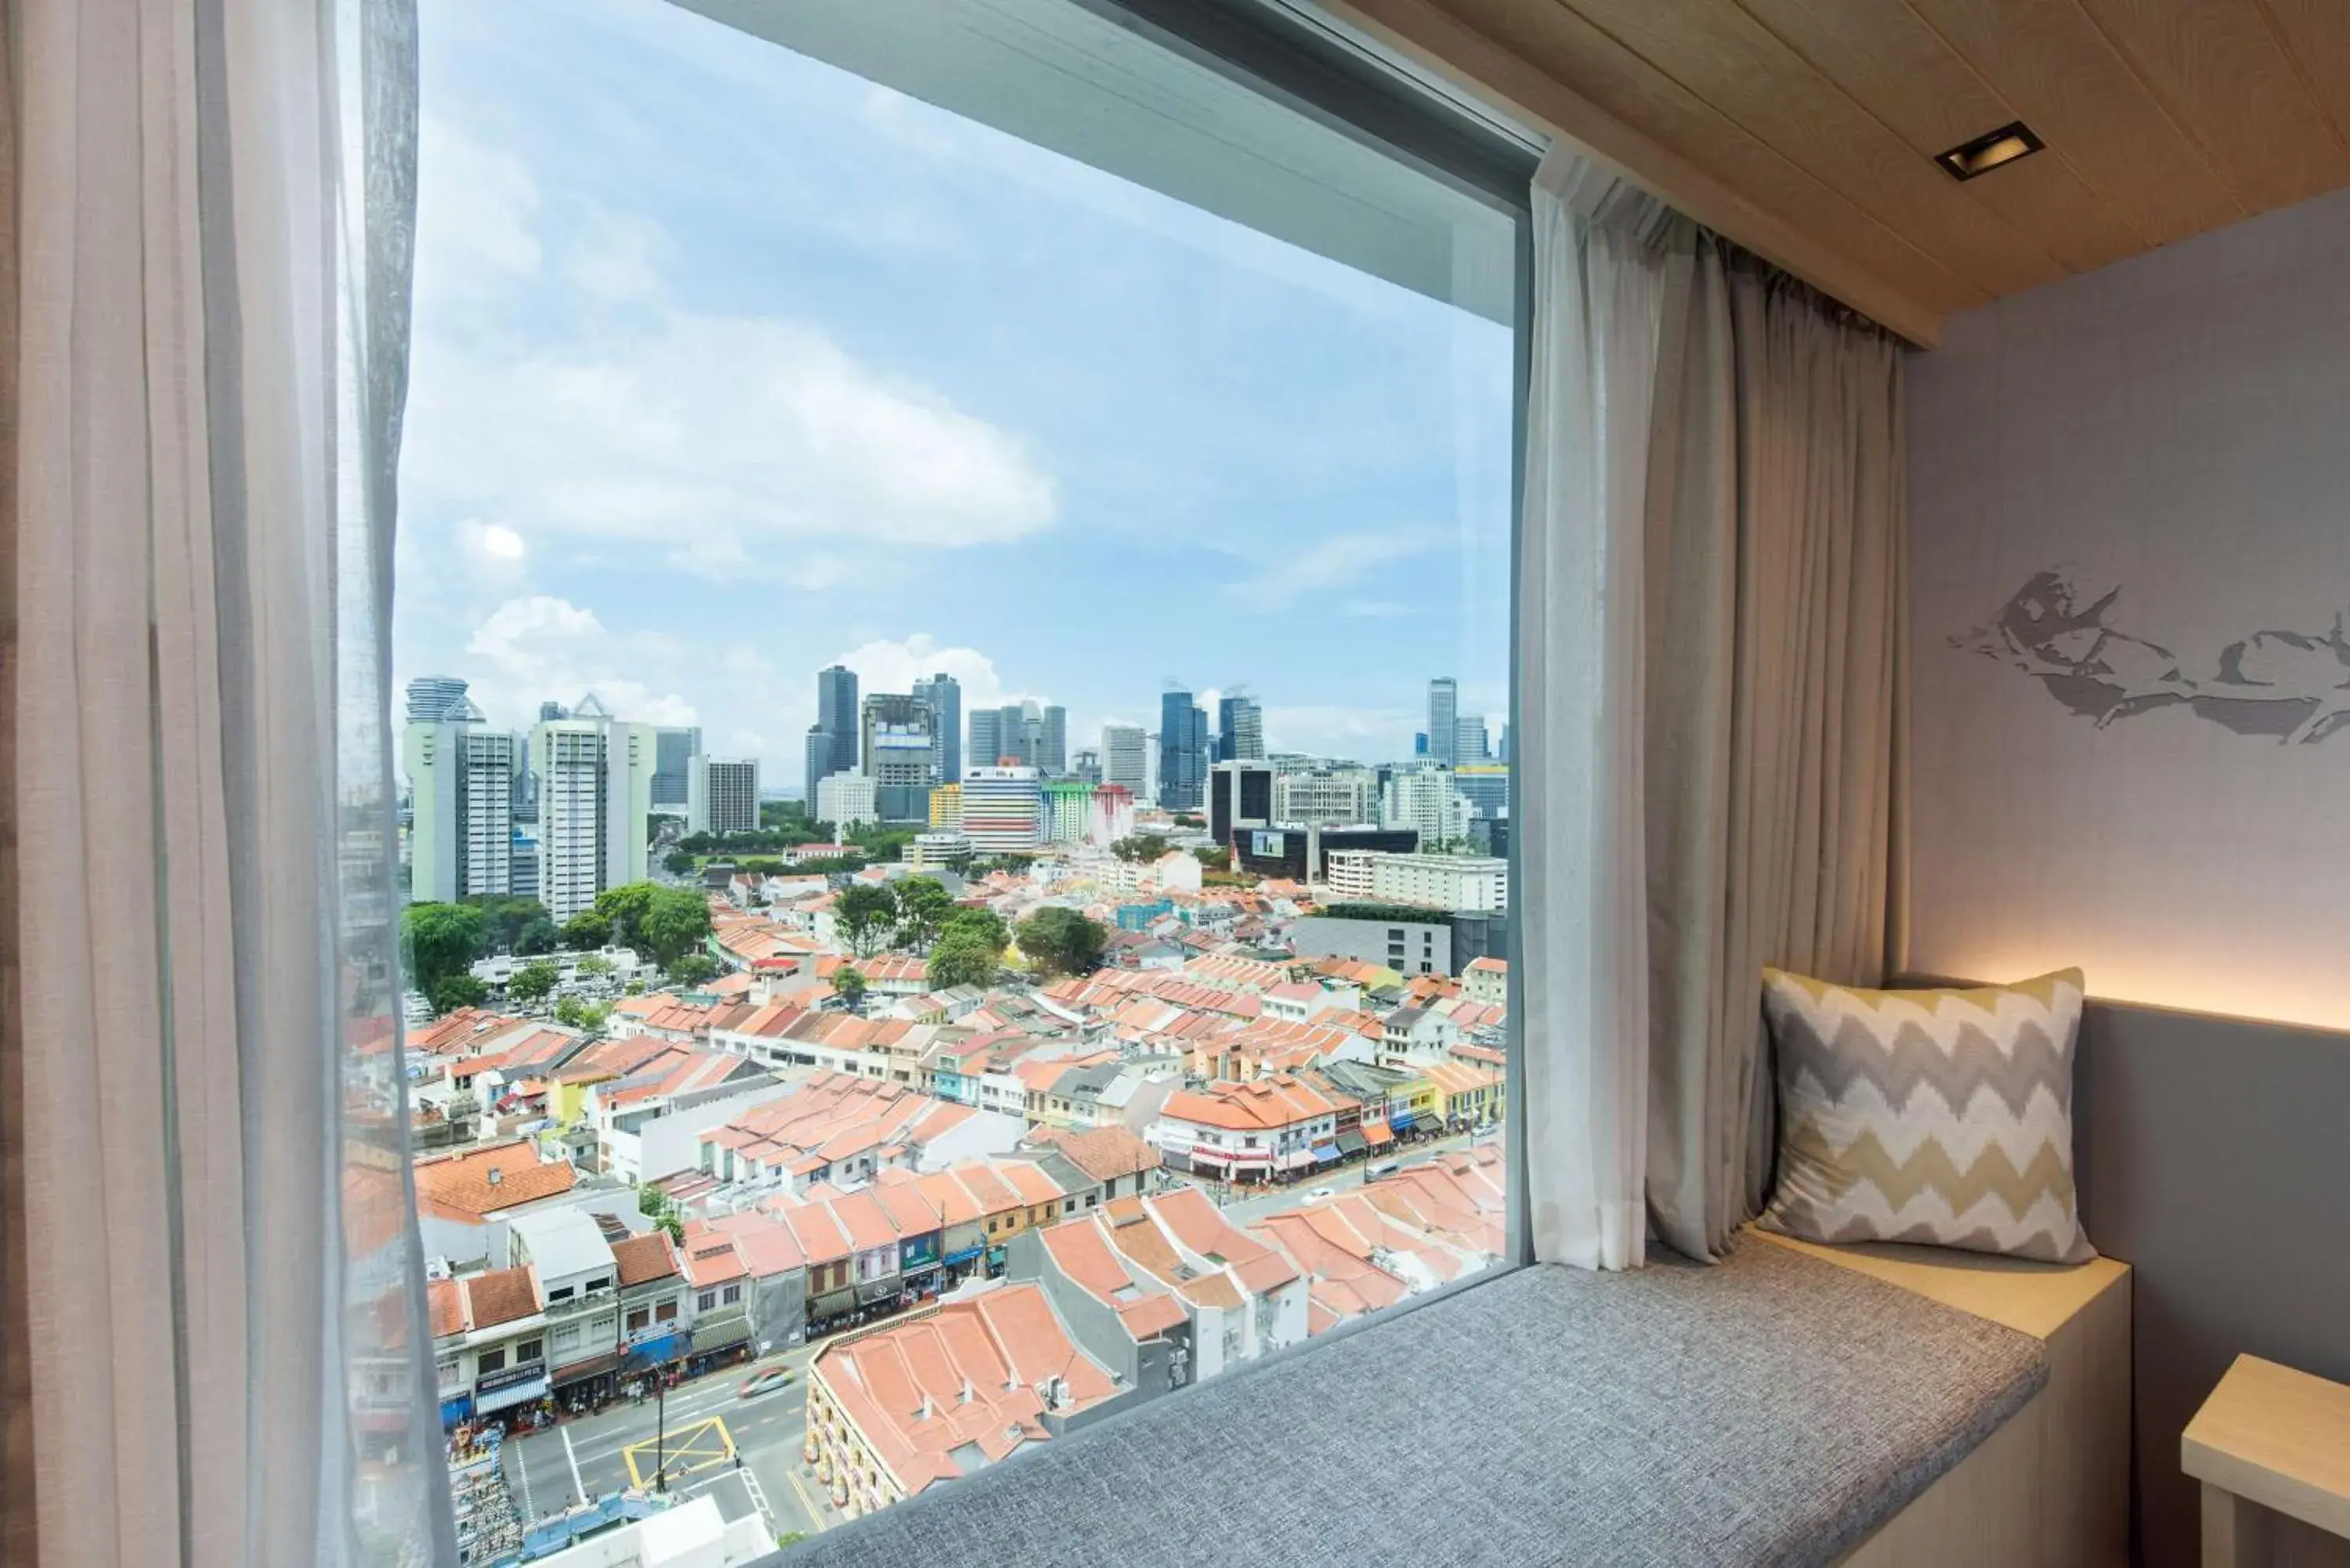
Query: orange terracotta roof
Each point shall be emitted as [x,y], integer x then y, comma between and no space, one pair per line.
[646,1257]
[501,1295]
[461,1186]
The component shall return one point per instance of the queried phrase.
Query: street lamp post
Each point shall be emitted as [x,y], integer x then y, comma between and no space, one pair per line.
[660,1429]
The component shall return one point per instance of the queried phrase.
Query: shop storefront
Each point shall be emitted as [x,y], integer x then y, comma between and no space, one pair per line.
[587,1381]
[958,1265]
[510,1387]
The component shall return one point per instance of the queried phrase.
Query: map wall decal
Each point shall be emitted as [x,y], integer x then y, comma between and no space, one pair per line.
[2289,686]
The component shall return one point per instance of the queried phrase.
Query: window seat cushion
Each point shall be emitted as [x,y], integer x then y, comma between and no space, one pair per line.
[1771,1410]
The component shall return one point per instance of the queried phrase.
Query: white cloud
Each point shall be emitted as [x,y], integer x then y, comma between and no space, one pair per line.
[540,647]
[1333,563]
[474,207]
[885,666]
[1367,735]
[730,444]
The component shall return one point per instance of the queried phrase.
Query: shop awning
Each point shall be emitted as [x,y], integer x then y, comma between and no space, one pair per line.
[1326,1153]
[713,1336]
[455,1410]
[1351,1142]
[963,1256]
[594,1367]
[1401,1121]
[1377,1135]
[878,1291]
[657,1349]
[511,1395]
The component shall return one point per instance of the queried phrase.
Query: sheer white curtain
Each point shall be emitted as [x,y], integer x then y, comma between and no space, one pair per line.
[1710,581]
[224,1301]
[1598,286]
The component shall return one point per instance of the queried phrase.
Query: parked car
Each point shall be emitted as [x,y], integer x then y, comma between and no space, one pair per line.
[1387,1169]
[765,1381]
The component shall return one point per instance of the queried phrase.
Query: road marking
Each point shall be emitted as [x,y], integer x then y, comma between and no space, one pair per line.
[521,1473]
[705,1445]
[792,1474]
[578,1486]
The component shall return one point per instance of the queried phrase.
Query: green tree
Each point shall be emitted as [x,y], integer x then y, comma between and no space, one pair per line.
[452,991]
[675,921]
[1213,860]
[1188,819]
[867,914]
[962,956]
[537,936]
[692,969]
[848,984]
[986,925]
[923,906]
[441,941]
[532,982]
[574,1014]
[677,862]
[594,963]
[1139,846]
[1062,942]
[626,906]
[585,931]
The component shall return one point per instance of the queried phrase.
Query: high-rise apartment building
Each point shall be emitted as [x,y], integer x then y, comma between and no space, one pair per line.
[942,694]
[847,800]
[1069,812]
[1182,752]
[832,739]
[1469,744]
[898,747]
[1427,802]
[1443,719]
[1486,786]
[431,697]
[721,795]
[946,808]
[462,776]
[673,749]
[1002,809]
[594,791]
[1240,729]
[1125,757]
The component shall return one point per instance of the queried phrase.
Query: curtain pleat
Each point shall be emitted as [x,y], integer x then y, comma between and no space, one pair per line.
[225,1341]
[1711,599]
[1771,705]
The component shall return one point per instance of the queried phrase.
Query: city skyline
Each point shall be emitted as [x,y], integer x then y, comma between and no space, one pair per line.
[1117,516]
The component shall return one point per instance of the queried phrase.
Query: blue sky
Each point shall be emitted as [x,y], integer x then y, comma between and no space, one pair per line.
[730,364]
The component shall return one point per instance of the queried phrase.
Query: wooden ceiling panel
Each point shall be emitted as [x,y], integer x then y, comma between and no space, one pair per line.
[2317,35]
[1900,70]
[2049,59]
[1732,62]
[1806,129]
[2220,71]
[1588,62]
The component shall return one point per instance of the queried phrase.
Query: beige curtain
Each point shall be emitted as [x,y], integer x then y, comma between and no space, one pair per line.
[1774,599]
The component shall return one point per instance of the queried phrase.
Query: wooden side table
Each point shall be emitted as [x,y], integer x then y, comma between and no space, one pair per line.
[2271,1446]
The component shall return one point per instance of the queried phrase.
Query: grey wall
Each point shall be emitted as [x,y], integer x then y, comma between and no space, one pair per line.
[2130,794]
[2214,1159]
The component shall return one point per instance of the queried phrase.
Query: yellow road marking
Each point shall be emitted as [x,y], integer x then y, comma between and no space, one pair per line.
[702,1446]
[815,1515]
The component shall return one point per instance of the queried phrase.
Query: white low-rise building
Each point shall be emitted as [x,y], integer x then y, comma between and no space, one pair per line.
[1473,882]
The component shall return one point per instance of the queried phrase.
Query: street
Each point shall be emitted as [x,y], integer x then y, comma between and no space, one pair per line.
[1248,1203]
[707,1423]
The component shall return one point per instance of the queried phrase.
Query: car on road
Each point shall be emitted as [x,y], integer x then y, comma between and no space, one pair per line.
[1317,1194]
[765,1381]
[1388,1168]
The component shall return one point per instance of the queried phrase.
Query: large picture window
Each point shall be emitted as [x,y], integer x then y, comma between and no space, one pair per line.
[953,657]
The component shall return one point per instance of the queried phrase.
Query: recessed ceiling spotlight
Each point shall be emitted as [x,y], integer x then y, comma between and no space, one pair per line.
[1988,152]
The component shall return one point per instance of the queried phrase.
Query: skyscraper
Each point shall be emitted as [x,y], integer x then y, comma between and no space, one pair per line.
[1126,756]
[1002,809]
[1468,741]
[673,748]
[943,694]
[1182,752]
[595,790]
[1443,716]
[552,709]
[832,739]
[898,747]
[722,796]
[462,776]
[430,697]
[1240,729]
[986,737]
[1052,742]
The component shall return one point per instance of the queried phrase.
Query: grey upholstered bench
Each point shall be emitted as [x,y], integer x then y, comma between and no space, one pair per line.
[1772,1409]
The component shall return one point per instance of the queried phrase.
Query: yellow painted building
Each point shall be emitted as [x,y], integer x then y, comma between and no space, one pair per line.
[946,807]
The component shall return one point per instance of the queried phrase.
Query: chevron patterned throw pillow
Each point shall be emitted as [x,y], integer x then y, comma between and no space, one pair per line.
[1937,1117]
